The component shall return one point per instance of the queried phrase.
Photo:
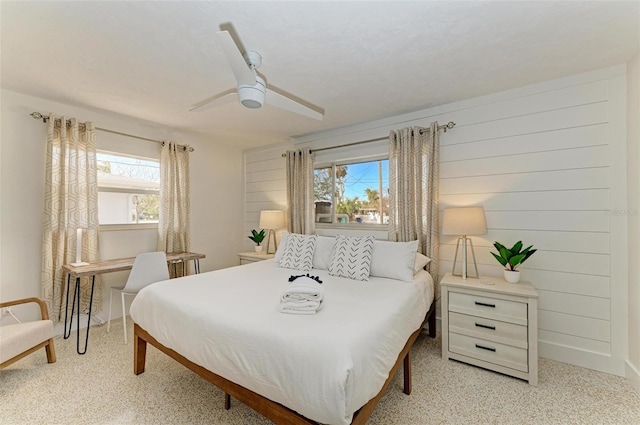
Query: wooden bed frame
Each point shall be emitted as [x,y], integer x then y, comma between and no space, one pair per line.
[270,409]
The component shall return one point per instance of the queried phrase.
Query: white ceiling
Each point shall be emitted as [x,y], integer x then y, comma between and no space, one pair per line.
[358,60]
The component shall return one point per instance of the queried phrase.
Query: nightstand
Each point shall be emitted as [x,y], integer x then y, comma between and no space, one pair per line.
[491,326]
[252,257]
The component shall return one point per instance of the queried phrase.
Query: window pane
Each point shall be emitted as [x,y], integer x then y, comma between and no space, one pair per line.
[127,172]
[322,188]
[127,189]
[366,193]
[123,208]
[361,193]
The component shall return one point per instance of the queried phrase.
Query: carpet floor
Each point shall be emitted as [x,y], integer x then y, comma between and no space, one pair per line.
[100,388]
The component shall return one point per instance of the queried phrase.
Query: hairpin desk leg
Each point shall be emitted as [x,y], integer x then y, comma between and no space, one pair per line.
[86,339]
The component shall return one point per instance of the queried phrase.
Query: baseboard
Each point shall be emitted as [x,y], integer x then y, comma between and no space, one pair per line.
[633,375]
[591,360]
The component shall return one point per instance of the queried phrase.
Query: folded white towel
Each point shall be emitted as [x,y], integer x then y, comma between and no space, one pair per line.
[300,307]
[303,289]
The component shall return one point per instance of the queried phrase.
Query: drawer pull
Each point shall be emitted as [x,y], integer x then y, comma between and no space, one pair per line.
[480,325]
[485,348]
[485,304]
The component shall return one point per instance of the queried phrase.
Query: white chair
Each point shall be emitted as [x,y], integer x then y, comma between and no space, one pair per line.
[148,268]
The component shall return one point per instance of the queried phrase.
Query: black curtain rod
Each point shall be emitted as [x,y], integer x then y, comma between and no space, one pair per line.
[447,126]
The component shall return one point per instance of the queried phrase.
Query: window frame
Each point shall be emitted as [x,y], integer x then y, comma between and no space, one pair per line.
[128,226]
[347,226]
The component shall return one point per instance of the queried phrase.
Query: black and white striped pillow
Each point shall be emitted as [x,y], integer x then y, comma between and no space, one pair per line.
[351,257]
[298,254]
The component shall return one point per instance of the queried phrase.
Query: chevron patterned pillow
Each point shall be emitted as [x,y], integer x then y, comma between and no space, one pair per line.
[298,254]
[351,257]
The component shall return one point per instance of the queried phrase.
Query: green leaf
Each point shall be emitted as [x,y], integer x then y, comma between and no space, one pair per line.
[529,254]
[500,259]
[499,246]
[515,260]
[505,253]
[516,248]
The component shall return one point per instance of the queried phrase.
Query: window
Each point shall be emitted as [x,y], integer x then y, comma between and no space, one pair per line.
[353,193]
[128,189]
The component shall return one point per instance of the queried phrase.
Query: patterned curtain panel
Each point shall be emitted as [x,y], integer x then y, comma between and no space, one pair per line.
[70,203]
[414,155]
[300,210]
[174,225]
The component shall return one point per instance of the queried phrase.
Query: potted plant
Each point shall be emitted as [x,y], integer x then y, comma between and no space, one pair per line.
[257,237]
[512,258]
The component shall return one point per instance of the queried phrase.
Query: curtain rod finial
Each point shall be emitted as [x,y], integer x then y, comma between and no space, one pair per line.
[38,116]
[449,126]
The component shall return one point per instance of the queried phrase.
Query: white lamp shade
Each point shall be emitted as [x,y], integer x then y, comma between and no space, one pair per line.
[464,221]
[271,219]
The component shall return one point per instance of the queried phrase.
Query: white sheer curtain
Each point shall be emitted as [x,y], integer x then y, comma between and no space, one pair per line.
[300,210]
[70,203]
[414,155]
[174,225]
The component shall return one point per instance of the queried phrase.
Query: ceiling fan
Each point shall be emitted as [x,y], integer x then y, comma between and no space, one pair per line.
[252,90]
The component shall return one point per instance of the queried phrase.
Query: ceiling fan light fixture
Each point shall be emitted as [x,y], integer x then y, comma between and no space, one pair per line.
[252,97]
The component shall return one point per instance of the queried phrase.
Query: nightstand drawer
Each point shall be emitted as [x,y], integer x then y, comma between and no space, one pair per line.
[489,351]
[493,308]
[489,329]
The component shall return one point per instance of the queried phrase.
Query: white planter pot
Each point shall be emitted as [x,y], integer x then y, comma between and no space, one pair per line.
[258,248]
[512,276]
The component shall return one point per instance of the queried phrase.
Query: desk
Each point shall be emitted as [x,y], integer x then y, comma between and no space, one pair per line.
[109,266]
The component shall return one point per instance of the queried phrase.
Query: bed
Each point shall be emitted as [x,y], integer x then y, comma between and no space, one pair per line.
[330,368]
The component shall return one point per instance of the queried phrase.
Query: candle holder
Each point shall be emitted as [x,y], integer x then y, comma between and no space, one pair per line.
[79,261]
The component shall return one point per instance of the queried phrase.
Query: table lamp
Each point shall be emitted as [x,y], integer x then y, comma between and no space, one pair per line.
[464,221]
[271,220]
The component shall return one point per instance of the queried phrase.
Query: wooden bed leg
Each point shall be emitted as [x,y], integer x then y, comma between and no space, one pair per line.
[407,373]
[139,353]
[432,323]
[227,401]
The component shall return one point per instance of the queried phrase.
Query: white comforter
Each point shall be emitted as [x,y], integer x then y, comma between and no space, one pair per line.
[324,366]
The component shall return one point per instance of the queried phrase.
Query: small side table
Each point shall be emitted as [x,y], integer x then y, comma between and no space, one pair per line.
[252,257]
[492,326]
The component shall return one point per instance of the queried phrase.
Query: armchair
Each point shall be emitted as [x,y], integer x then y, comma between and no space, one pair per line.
[21,339]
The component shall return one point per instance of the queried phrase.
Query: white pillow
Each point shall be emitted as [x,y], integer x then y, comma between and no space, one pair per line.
[281,247]
[394,260]
[420,263]
[322,254]
[298,254]
[351,257]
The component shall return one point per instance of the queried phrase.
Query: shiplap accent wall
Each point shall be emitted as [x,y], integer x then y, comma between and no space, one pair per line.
[542,166]
[265,185]
[547,162]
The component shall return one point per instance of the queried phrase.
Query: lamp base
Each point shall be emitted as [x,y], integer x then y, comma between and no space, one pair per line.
[275,243]
[464,273]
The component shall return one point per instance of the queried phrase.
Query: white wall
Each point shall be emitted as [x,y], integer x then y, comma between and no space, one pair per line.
[548,163]
[633,175]
[216,193]
[265,186]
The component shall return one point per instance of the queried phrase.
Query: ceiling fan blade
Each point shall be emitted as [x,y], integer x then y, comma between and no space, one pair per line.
[213,101]
[288,102]
[239,66]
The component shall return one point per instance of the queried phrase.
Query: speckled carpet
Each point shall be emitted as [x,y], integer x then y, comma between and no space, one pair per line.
[100,388]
